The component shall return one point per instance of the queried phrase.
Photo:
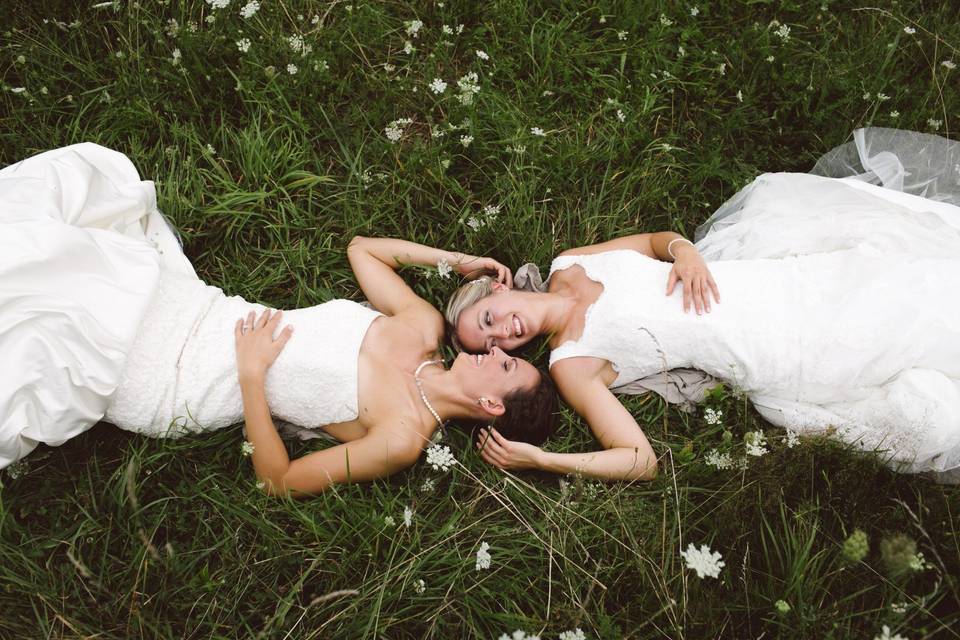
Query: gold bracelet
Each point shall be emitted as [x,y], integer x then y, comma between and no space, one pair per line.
[670,246]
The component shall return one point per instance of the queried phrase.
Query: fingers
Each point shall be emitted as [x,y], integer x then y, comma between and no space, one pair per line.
[238,329]
[275,319]
[491,450]
[264,318]
[672,281]
[698,296]
[506,276]
[713,287]
[687,295]
[284,337]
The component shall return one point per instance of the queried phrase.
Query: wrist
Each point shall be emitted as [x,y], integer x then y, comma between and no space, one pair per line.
[679,247]
[252,378]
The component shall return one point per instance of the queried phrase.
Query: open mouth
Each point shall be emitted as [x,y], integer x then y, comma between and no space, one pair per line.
[517,327]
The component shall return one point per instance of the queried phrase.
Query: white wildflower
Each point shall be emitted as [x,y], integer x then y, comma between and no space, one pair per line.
[620,116]
[770,58]
[218,4]
[755,443]
[321,65]
[739,96]
[909,31]
[537,131]
[447,30]
[292,69]
[483,556]
[296,43]
[898,608]
[719,460]
[428,485]
[482,54]
[44,90]
[948,64]
[783,32]
[602,19]
[792,439]
[894,114]
[243,44]
[704,561]
[681,51]
[694,11]
[315,20]
[443,268]
[413,28]
[419,585]
[919,563]
[210,149]
[934,124]
[722,69]
[438,86]
[250,9]
[469,86]
[408,47]
[389,521]
[466,140]
[407,516]
[622,35]
[573,634]
[491,211]
[172,28]
[885,635]
[712,416]
[176,57]
[665,21]
[459,29]
[440,458]
[519,634]
[882,97]
[394,130]
[474,223]
[18,89]
[389,68]
[247,448]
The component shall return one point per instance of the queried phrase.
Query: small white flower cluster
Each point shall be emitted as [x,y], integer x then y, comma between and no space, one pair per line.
[407,516]
[296,42]
[919,563]
[438,86]
[704,561]
[176,55]
[419,586]
[443,268]
[719,460]
[909,31]
[394,130]
[250,9]
[440,458]
[482,55]
[487,217]
[620,116]
[792,439]
[428,485]
[665,21]
[573,634]
[218,4]
[885,635]
[172,28]
[247,448]
[783,32]
[898,608]
[755,443]
[389,521]
[413,28]
[712,416]
[483,556]
[469,86]
[466,140]
[243,44]
[537,131]
[948,64]
[622,35]
[694,11]
[292,69]
[934,124]
[519,634]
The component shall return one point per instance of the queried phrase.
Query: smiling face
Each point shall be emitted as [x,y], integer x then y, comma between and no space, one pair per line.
[494,375]
[502,319]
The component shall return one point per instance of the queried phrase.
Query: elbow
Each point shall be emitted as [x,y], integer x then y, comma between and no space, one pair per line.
[357,243]
[645,467]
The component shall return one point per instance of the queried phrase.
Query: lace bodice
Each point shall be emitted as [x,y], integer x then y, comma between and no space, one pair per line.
[181,373]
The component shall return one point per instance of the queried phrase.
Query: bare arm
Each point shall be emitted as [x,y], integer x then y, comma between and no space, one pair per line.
[652,245]
[373,456]
[627,454]
[375,261]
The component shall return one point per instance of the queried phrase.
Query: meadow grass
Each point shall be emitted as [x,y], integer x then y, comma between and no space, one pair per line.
[653,115]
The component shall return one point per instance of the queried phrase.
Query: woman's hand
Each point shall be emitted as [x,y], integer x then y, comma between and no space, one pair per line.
[690,268]
[507,454]
[256,348]
[472,267]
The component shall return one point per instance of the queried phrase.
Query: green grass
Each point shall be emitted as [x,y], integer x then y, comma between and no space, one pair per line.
[118,536]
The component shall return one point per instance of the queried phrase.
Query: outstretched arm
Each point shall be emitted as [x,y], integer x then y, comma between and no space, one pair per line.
[627,455]
[375,261]
[689,266]
[373,456]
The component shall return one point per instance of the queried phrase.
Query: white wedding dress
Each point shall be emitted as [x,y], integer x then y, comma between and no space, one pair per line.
[102,317]
[839,314]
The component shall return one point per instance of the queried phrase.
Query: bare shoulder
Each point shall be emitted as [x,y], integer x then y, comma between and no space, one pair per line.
[570,374]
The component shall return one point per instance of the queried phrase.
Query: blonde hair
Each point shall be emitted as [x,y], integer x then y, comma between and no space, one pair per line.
[465,296]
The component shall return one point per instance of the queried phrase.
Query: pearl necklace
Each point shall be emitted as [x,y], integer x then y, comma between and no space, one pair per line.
[423,396]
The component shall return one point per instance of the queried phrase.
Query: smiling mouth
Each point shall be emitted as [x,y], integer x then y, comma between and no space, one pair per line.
[517,327]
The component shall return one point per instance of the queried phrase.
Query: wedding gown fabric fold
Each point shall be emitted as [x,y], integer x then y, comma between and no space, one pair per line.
[102,316]
[838,312]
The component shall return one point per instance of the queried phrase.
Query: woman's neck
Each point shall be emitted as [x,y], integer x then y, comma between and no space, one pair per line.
[557,307]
